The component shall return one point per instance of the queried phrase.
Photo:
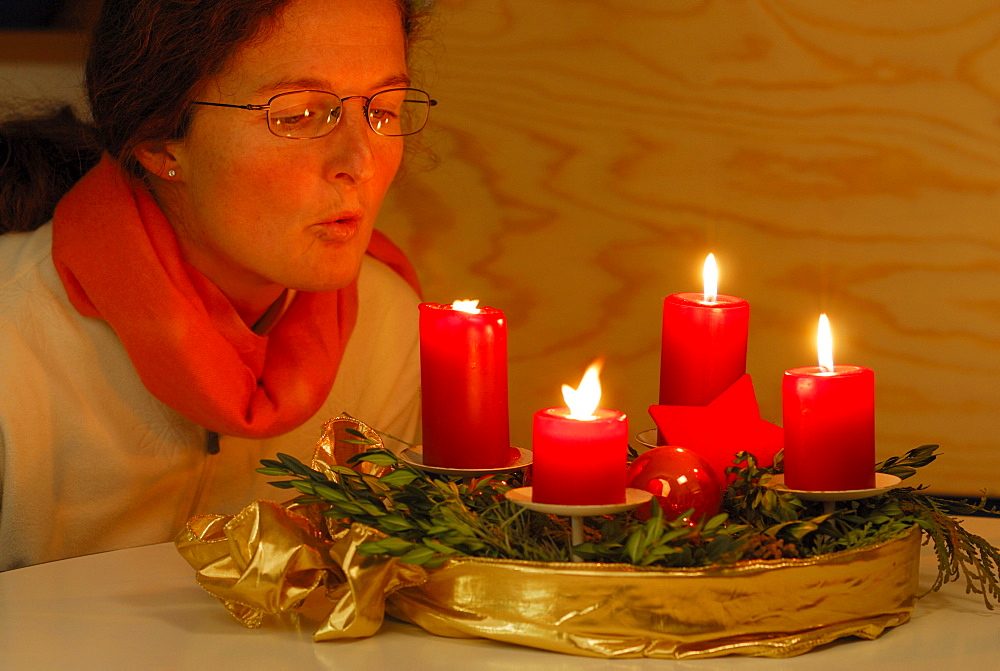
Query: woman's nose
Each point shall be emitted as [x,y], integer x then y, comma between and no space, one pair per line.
[351,153]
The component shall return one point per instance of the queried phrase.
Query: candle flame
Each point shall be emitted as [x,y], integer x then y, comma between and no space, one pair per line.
[824,344]
[710,275]
[472,307]
[583,401]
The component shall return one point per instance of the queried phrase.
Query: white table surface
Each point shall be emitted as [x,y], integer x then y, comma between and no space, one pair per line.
[141,609]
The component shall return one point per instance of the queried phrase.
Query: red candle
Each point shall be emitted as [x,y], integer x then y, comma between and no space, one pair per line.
[704,345]
[829,422]
[579,453]
[463,375]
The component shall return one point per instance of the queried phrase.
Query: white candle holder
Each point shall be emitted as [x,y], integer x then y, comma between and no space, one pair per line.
[522,496]
[414,456]
[883,483]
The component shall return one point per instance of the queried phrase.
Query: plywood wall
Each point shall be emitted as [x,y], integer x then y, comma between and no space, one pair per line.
[835,156]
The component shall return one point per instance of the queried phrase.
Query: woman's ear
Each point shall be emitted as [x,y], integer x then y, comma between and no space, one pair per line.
[159,159]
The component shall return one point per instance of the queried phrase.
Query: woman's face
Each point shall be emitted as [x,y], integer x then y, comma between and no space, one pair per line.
[257,213]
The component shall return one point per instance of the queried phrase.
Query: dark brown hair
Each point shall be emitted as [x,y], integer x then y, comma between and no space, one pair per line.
[147,58]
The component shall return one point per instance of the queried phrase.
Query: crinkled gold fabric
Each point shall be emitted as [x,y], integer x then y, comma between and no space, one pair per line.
[773,608]
[279,560]
[265,560]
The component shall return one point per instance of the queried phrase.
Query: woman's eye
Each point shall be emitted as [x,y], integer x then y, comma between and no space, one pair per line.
[291,118]
[381,114]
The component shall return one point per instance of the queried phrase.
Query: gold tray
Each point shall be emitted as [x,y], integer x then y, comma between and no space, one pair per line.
[763,608]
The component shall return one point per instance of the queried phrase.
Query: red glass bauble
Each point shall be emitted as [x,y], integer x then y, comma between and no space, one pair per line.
[679,479]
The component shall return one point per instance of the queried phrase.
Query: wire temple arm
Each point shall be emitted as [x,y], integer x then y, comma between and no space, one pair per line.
[241,107]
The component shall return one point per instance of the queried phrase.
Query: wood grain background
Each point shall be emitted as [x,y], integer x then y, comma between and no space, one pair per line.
[838,157]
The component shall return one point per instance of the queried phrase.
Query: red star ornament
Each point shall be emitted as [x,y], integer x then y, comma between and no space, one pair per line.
[717,431]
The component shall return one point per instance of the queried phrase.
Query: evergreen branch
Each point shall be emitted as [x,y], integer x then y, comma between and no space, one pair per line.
[960,554]
[907,465]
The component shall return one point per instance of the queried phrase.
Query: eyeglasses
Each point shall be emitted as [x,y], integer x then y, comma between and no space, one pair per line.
[300,115]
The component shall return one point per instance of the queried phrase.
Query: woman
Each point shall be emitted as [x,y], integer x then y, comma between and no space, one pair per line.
[202,297]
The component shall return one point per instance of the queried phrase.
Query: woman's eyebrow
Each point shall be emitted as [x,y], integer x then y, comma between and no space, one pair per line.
[312,83]
[291,84]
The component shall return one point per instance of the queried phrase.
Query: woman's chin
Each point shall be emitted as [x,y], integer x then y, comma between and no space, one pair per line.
[344,273]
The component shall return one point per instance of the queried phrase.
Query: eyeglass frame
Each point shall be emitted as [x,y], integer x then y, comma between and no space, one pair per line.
[267,107]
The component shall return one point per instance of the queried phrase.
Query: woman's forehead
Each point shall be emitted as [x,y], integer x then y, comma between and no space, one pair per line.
[332,42]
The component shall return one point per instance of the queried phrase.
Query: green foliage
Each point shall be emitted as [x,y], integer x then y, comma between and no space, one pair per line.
[668,543]
[959,553]
[907,465]
[806,530]
[428,519]
[803,525]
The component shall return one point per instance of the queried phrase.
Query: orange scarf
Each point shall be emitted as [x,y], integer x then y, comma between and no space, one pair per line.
[119,261]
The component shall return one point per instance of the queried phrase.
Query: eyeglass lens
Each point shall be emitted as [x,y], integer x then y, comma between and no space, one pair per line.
[309,114]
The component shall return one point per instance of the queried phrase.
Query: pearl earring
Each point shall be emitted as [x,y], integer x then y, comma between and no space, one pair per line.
[171,173]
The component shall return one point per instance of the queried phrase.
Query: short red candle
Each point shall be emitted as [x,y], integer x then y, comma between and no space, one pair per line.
[829,423]
[463,375]
[703,348]
[579,461]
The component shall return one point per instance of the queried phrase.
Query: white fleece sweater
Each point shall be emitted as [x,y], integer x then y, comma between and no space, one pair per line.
[90,461]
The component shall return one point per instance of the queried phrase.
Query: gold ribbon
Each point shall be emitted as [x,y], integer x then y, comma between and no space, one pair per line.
[285,561]
[264,561]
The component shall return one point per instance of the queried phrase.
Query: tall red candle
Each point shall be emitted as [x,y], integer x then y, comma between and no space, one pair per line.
[463,375]
[704,344]
[829,423]
[579,461]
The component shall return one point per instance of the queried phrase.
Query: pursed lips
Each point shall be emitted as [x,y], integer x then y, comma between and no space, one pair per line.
[340,228]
